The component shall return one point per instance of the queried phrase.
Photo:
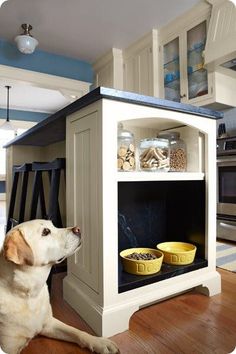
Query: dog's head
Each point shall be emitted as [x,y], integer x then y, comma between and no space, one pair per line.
[39,242]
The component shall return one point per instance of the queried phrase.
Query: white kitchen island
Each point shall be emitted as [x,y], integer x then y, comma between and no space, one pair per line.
[153,206]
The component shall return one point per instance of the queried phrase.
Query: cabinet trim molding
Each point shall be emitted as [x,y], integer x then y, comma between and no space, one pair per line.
[185,20]
[140,44]
[106,58]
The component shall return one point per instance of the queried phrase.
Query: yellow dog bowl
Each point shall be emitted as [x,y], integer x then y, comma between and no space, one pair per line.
[177,253]
[141,267]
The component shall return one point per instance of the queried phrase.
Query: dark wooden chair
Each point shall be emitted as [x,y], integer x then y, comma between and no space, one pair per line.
[20,179]
[52,210]
[53,169]
[39,208]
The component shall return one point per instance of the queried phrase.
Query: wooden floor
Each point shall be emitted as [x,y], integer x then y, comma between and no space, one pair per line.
[188,323]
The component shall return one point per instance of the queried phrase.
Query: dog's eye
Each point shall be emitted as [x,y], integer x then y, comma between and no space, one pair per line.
[46,232]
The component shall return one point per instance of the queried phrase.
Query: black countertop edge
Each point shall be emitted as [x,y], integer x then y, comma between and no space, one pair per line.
[151,101]
[112,94]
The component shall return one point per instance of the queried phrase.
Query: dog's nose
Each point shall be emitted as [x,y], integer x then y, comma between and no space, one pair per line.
[76,230]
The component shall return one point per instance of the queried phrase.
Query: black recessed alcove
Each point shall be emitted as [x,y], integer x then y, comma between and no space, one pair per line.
[159,211]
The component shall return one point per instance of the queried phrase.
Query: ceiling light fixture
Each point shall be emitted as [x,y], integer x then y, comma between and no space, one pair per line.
[26,43]
[1,2]
[7,124]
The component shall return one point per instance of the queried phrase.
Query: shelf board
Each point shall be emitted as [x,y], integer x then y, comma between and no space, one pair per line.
[174,84]
[197,69]
[198,49]
[129,281]
[172,62]
[139,176]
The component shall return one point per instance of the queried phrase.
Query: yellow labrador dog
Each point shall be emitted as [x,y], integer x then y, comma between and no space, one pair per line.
[29,250]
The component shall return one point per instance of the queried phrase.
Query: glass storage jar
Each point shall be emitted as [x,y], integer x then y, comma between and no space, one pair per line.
[178,153]
[125,150]
[154,154]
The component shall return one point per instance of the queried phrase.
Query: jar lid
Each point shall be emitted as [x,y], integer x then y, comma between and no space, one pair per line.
[154,142]
[169,135]
[123,133]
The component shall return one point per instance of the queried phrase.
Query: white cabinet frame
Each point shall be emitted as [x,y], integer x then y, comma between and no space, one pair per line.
[98,301]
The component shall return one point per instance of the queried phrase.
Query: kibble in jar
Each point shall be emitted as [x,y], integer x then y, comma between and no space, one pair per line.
[125,150]
[178,151]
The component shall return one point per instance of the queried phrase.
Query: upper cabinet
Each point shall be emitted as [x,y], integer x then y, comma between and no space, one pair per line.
[169,63]
[183,77]
[183,74]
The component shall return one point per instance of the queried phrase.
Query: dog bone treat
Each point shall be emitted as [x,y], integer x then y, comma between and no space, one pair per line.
[125,150]
[154,155]
[141,256]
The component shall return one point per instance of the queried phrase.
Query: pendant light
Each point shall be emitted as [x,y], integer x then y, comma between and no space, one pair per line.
[7,125]
[26,43]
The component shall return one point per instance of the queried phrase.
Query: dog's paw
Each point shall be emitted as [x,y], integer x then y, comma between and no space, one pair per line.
[104,346]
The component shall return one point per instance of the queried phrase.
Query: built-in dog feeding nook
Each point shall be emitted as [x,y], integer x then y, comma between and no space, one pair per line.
[157,211]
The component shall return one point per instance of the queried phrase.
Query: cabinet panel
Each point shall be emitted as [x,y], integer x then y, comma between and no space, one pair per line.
[145,72]
[104,76]
[172,70]
[83,201]
[197,73]
[131,75]
[138,74]
[108,69]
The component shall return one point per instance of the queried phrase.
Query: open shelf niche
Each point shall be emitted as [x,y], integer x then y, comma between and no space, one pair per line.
[194,139]
[155,207]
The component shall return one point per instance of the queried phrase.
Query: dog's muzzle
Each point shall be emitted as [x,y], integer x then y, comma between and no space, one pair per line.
[76,231]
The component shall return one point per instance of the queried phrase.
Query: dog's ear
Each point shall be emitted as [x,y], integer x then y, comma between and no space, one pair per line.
[17,250]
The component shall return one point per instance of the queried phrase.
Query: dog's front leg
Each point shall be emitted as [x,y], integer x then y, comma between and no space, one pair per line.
[59,330]
[12,345]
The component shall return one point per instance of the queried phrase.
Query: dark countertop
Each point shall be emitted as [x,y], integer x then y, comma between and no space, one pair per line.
[53,128]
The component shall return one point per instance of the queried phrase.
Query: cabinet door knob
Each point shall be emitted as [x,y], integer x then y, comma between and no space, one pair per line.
[182,96]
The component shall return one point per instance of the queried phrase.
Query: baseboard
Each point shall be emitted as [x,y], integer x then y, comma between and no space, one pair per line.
[105,322]
[2,196]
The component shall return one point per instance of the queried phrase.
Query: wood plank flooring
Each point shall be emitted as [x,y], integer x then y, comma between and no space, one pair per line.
[186,324]
[190,323]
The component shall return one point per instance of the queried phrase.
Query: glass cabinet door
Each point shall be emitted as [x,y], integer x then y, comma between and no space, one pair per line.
[197,74]
[172,70]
